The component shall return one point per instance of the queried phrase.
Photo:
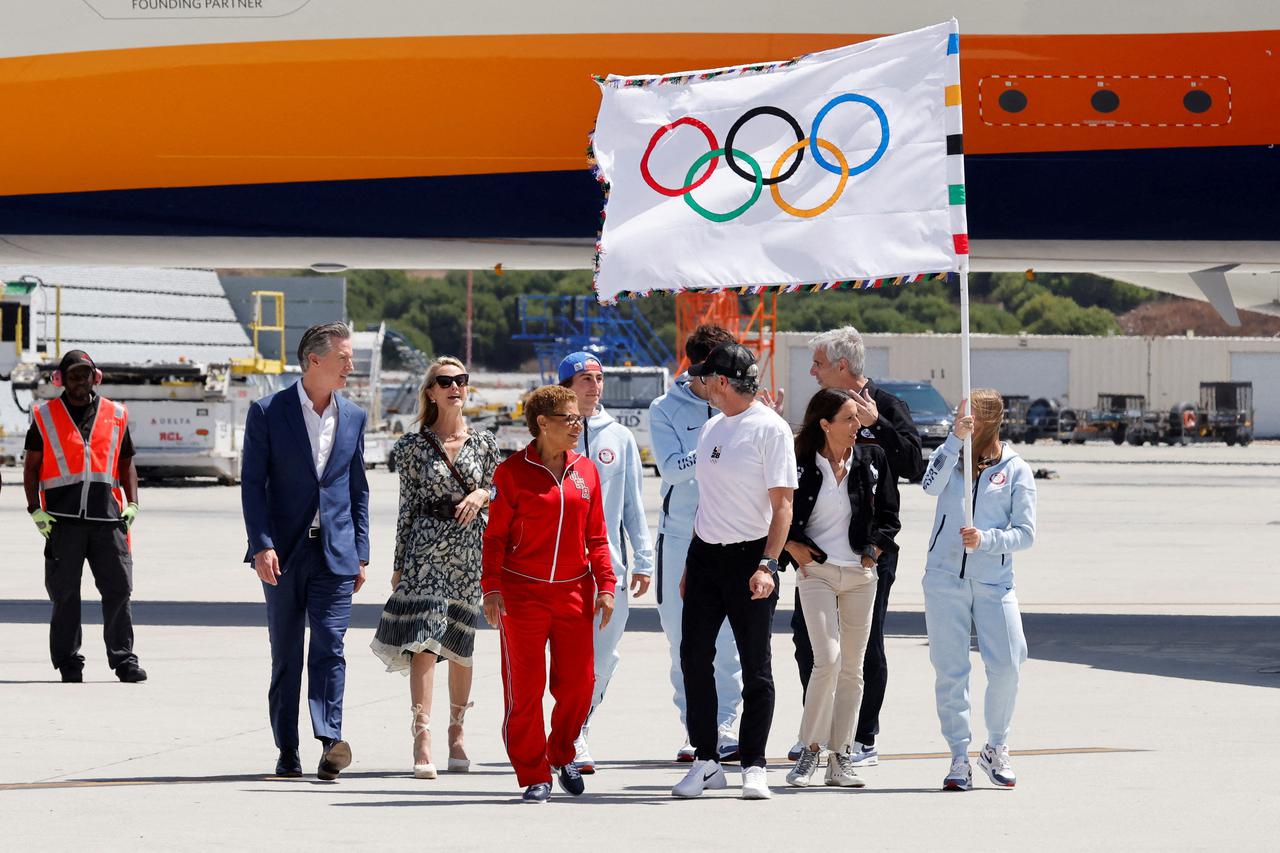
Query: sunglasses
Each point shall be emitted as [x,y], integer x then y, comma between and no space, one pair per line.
[460,380]
[569,420]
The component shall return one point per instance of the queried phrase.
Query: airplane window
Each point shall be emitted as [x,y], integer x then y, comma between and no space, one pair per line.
[1013,101]
[1197,101]
[1105,101]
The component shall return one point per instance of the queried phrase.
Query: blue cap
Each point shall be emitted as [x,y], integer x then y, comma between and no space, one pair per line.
[576,362]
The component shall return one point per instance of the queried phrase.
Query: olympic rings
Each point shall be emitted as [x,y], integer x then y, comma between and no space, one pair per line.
[748,116]
[884,133]
[644,161]
[737,211]
[809,213]
[732,155]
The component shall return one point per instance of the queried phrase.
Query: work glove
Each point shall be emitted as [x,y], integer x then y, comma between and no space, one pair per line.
[44,522]
[129,514]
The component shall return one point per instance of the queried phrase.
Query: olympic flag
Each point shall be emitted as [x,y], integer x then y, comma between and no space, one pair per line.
[839,169]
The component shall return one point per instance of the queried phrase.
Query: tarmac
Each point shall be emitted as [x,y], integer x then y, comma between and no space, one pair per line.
[1147,718]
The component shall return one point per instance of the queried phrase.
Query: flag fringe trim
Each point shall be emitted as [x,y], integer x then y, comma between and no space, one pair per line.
[812,287]
[646,80]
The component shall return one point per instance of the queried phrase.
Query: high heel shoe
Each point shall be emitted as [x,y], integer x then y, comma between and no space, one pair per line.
[456,715]
[419,727]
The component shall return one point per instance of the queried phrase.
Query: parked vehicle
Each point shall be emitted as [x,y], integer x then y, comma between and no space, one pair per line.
[932,416]
[1111,419]
[1015,416]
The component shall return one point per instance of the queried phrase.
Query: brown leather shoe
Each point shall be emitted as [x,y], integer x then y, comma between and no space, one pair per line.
[335,759]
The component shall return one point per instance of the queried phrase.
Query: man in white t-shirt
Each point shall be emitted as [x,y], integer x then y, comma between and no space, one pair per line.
[746,473]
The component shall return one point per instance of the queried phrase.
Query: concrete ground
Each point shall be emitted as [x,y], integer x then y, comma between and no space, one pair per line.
[1147,718]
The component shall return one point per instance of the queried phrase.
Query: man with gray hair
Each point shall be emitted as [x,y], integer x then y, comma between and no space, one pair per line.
[306,510]
[839,361]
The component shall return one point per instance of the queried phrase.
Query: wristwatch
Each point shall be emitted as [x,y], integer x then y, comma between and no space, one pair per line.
[770,564]
[872,551]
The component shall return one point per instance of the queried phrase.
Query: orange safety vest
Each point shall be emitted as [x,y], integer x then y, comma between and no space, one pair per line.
[75,483]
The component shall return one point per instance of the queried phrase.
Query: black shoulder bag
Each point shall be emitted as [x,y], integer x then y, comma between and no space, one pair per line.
[447,509]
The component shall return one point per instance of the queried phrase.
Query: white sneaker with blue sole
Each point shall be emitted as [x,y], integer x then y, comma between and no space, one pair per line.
[994,760]
[960,776]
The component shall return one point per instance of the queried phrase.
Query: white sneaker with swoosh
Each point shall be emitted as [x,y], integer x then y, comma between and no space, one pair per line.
[702,775]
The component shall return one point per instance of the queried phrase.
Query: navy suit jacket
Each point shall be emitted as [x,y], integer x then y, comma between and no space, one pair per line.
[279,489]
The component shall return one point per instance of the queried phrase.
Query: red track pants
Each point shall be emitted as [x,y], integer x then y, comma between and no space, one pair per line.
[538,612]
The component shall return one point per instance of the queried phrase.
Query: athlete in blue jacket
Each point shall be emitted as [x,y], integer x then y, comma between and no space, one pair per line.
[611,447]
[675,422]
[968,579]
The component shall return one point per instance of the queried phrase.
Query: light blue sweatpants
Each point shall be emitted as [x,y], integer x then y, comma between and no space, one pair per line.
[606,645]
[672,551]
[952,605]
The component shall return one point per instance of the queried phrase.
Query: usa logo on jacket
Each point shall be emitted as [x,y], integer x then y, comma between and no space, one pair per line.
[581,484]
[999,478]
[606,456]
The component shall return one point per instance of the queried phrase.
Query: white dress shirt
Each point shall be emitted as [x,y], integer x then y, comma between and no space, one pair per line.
[829,521]
[321,428]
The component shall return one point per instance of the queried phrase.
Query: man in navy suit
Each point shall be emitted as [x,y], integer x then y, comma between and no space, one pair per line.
[306,509]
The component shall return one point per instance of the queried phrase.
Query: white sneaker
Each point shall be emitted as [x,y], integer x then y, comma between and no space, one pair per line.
[727,745]
[686,753]
[840,772]
[755,784]
[582,758]
[960,776]
[806,765]
[702,775]
[864,756]
[995,761]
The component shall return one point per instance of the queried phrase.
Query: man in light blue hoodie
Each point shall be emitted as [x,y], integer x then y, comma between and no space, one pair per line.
[675,422]
[612,448]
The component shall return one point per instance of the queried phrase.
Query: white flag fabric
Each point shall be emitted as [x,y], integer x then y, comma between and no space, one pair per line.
[838,169]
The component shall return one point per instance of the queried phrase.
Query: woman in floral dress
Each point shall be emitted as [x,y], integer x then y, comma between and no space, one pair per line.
[446,471]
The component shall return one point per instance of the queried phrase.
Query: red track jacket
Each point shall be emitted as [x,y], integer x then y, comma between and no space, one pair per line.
[544,530]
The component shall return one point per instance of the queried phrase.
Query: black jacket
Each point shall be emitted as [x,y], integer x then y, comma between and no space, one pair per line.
[873,493]
[896,433]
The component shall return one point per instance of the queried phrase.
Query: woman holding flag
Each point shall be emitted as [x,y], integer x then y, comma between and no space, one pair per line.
[968,579]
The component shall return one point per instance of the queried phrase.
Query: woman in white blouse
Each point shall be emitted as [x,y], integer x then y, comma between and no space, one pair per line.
[845,516]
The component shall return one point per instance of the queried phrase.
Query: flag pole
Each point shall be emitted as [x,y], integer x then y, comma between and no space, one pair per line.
[966,385]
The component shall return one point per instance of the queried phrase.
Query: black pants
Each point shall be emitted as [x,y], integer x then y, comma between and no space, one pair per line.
[875,666]
[106,546]
[717,587]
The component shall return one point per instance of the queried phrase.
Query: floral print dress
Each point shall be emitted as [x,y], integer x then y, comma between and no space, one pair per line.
[436,603]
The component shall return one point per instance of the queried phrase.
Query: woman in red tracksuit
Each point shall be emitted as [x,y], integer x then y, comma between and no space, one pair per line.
[545,573]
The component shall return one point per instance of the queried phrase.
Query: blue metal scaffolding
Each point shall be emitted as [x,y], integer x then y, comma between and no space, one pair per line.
[557,325]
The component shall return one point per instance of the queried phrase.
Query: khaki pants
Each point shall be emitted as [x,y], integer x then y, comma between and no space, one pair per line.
[837,602]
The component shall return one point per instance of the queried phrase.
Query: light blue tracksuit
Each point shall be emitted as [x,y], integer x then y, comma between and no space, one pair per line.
[963,590]
[612,447]
[675,422]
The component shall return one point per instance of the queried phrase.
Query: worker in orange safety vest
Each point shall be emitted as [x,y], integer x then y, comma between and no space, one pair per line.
[82,494]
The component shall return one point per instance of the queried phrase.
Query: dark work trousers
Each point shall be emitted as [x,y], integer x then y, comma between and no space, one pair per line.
[106,546]
[308,593]
[875,666]
[716,588]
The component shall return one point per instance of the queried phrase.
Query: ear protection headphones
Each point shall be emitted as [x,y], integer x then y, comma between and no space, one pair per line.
[57,378]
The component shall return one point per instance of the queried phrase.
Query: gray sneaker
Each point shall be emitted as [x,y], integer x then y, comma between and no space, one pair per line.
[806,766]
[840,772]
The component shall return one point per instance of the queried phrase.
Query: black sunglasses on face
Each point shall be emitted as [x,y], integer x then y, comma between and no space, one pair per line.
[460,380]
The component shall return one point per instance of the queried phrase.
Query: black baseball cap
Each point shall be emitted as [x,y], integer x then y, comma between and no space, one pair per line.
[75,358]
[728,359]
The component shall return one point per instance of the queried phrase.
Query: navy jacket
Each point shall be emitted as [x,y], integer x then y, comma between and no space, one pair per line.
[279,490]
